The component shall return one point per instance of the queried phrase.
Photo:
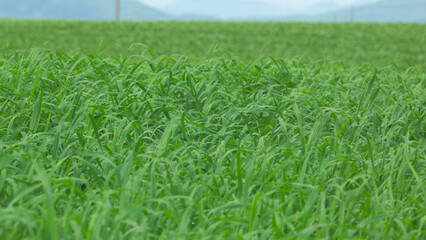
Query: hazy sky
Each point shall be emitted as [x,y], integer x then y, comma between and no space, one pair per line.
[292,4]
[240,9]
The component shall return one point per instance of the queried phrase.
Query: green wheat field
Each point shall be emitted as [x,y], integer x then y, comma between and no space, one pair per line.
[212,130]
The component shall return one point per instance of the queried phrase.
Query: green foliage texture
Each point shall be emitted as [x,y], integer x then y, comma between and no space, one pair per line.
[169,147]
[116,141]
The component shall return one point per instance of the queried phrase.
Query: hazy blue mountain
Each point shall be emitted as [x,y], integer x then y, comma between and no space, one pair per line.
[77,10]
[382,11]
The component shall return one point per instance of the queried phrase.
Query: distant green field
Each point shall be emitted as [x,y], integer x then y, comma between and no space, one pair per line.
[401,45]
[224,146]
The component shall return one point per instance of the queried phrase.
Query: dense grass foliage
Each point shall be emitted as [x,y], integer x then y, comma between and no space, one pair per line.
[402,45]
[151,147]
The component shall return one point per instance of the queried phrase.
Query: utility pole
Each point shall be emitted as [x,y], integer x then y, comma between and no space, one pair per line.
[117,10]
[352,14]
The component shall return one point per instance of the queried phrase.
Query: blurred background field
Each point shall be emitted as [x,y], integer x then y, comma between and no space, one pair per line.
[398,45]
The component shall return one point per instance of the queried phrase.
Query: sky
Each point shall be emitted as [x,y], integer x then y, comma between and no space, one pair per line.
[294,4]
[229,9]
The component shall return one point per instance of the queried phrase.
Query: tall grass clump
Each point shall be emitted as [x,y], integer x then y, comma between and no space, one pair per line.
[170,147]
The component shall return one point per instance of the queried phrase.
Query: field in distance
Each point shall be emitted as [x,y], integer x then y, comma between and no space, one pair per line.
[399,45]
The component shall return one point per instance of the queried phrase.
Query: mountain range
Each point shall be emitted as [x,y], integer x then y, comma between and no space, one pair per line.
[78,10]
[218,10]
[386,11]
